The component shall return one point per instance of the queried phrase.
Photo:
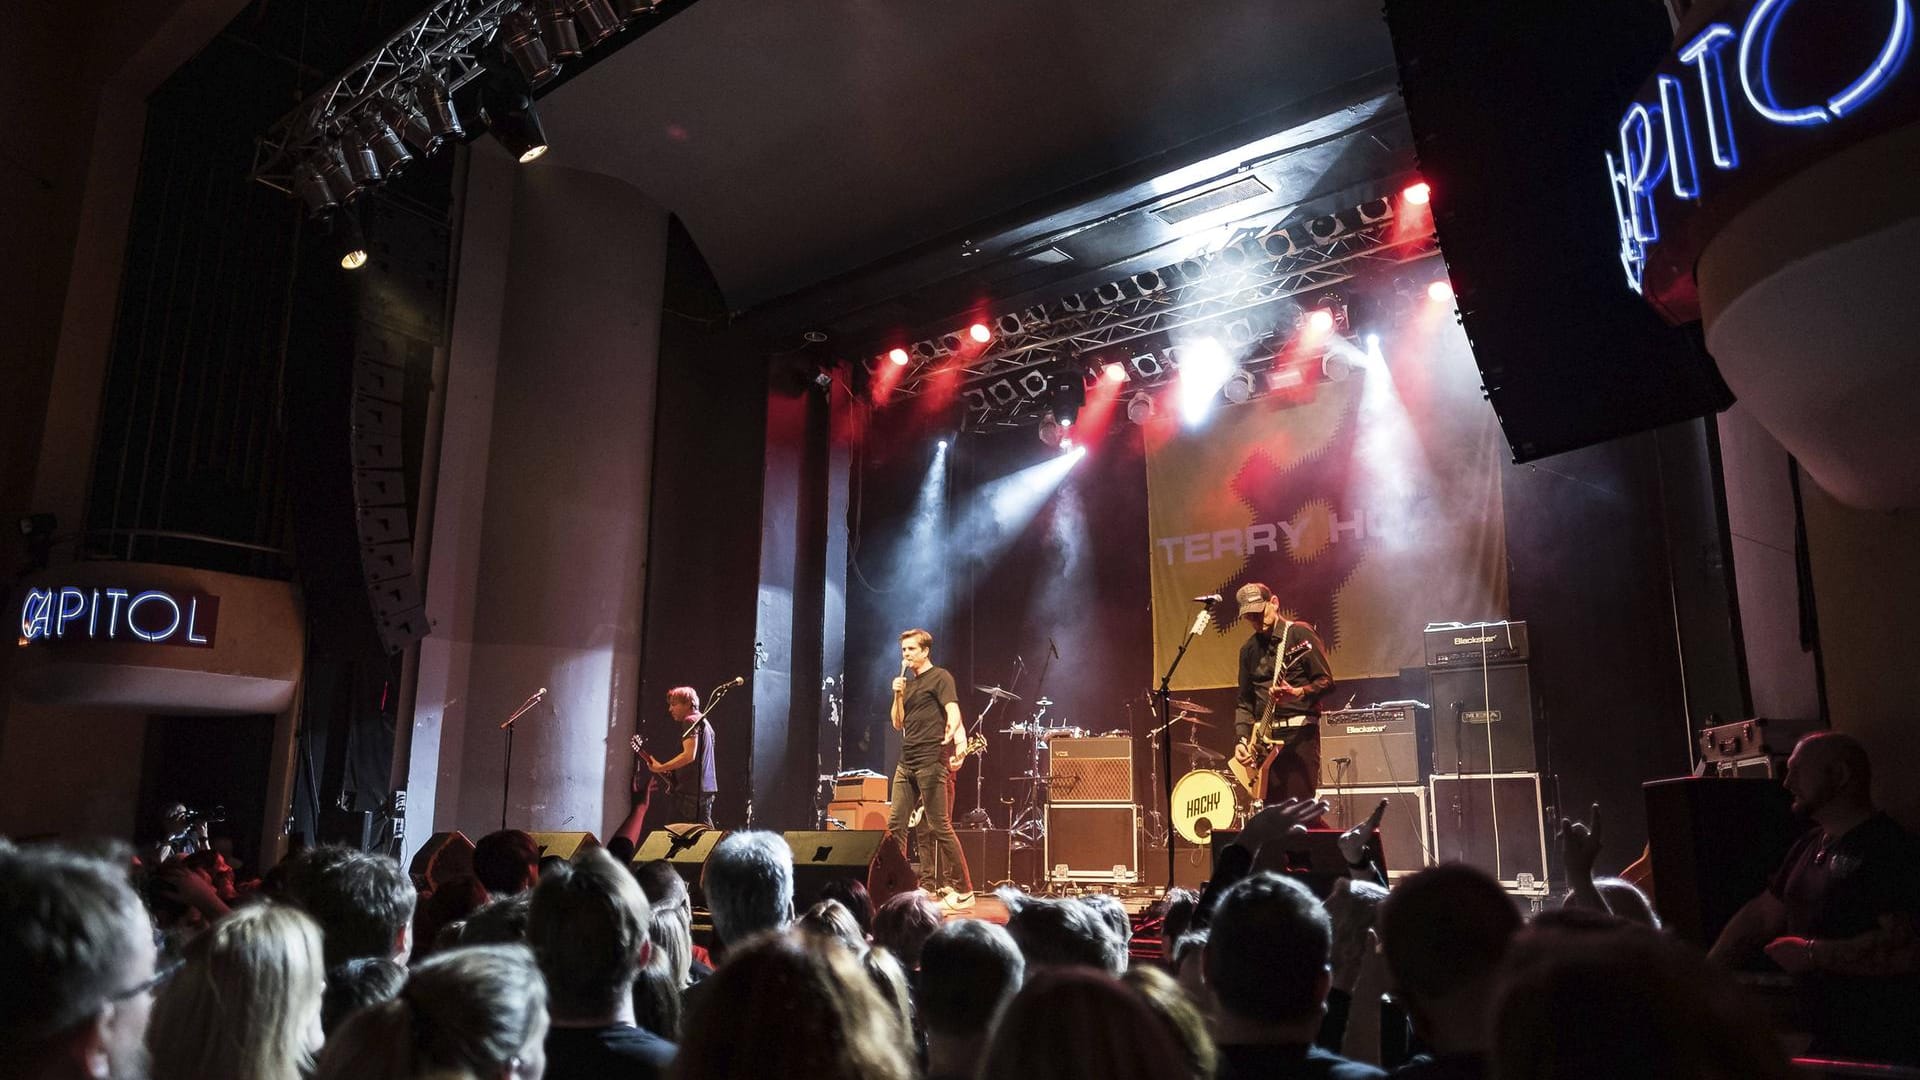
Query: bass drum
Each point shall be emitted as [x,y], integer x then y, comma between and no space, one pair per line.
[1204,800]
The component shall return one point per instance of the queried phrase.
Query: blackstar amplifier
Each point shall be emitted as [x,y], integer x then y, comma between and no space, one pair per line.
[1091,770]
[1452,645]
[1375,745]
[1748,740]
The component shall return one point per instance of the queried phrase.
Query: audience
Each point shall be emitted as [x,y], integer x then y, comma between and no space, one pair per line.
[356,984]
[501,921]
[588,929]
[969,970]
[1110,908]
[903,924]
[748,880]
[245,1004]
[1176,917]
[77,955]
[852,893]
[1444,932]
[453,902]
[1267,963]
[1075,1022]
[1164,996]
[1189,970]
[750,1019]
[506,862]
[831,919]
[480,1009]
[671,925]
[1062,932]
[659,1002]
[363,903]
[890,980]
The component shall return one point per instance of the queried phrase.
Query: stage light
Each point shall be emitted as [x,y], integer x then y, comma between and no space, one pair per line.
[436,108]
[898,356]
[388,150]
[1114,371]
[632,9]
[1192,270]
[312,188]
[1066,421]
[1373,342]
[942,444]
[1009,324]
[1285,378]
[1140,407]
[408,124]
[521,40]
[594,19]
[1147,281]
[557,30]
[331,166]
[1109,293]
[361,164]
[1239,387]
[1440,292]
[1325,228]
[949,343]
[1145,365]
[513,123]
[979,333]
[1335,366]
[351,241]
[1050,430]
[1034,383]
[1417,194]
[1320,320]
[1066,446]
[1278,244]
[1204,366]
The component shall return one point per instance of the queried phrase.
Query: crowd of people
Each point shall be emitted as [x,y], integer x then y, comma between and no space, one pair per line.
[334,967]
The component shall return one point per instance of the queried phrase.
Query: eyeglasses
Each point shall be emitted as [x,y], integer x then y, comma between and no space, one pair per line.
[160,976]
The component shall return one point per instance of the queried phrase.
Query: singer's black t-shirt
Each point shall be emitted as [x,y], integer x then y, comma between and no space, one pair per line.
[926,715]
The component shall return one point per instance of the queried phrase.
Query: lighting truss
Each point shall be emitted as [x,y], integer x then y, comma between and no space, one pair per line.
[1221,293]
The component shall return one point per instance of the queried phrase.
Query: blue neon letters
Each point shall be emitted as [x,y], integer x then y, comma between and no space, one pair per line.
[1657,140]
[106,614]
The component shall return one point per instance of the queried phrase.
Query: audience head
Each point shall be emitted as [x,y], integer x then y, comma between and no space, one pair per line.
[1624,1001]
[852,893]
[889,979]
[452,902]
[1177,915]
[363,903]
[903,924]
[672,938]
[657,1006]
[499,922]
[356,984]
[831,919]
[969,970]
[481,1010]
[1165,996]
[1268,949]
[1444,932]
[246,1001]
[1188,960]
[666,890]
[743,1025]
[1078,1023]
[588,928]
[749,885]
[1109,907]
[78,955]
[1055,932]
[506,862]
[1829,769]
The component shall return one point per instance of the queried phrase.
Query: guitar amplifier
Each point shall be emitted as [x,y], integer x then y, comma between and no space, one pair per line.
[1092,771]
[860,787]
[1092,842]
[860,814]
[1376,745]
[1453,645]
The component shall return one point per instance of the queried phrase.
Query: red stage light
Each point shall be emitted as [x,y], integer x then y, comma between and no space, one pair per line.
[1417,193]
[1440,292]
[1320,321]
[1115,372]
[898,356]
[979,332]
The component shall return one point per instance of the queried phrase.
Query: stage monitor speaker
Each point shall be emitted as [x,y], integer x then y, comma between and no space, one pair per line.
[1715,842]
[444,857]
[1493,821]
[1482,721]
[863,814]
[563,844]
[820,857]
[685,849]
[1403,828]
[1097,842]
[1092,770]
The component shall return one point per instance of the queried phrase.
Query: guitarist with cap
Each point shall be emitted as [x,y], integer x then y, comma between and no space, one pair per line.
[1283,676]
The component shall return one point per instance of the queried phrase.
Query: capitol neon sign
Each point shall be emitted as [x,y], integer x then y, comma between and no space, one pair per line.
[1658,139]
[153,616]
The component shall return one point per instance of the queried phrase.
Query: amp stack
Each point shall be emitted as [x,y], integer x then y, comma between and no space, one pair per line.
[1373,753]
[1484,789]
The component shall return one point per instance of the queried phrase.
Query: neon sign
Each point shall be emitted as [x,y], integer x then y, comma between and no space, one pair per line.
[150,616]
[1659,139]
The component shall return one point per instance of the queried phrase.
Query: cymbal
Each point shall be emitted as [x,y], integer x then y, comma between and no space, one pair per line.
[1022,729]
[1194,720]
[1189,706]
[1043,701]
[997,693]
[1198,752]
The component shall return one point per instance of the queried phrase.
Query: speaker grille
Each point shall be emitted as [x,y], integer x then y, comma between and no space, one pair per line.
[1086,780]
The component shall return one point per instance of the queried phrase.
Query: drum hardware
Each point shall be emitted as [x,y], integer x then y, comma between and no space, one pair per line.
[978,818]
[1197,753]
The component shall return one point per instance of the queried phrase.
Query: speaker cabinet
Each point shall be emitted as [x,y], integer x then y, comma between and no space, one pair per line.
[444,857]
[994,860]
[1715,842]
[820,857]
[861,814]
[1092,842]
[1493,821]
[563,844]
[1403,828]
[1483,720]
[1092,770]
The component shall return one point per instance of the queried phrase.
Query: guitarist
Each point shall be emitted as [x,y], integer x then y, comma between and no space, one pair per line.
[1292,699]
[926,712]
[689,775]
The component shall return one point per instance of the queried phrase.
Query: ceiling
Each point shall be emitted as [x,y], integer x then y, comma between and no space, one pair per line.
[801,143]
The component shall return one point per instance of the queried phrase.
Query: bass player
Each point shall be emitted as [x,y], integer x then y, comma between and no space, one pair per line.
[1287,696]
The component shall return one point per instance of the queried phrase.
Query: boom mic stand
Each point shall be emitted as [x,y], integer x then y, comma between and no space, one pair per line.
[1162,704]
[507,725]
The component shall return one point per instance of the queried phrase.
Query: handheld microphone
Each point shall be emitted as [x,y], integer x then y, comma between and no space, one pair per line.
[1210,599]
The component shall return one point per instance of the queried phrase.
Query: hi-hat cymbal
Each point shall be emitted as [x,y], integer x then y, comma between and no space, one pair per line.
[1189,706]
[1198,752]
[1045,701]
[997,693]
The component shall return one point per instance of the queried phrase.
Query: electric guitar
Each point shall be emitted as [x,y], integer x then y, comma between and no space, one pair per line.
[974,746]
[642,762]
[1271,733]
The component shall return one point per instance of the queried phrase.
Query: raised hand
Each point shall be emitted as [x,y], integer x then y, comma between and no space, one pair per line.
[1353,842]
[1580,842]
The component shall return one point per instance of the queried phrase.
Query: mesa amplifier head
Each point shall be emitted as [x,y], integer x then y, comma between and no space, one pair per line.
[1451,645]
[1749,739]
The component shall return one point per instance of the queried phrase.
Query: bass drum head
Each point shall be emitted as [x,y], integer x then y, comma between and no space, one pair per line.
[1202,802]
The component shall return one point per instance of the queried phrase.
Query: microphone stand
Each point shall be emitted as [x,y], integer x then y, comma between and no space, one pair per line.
[1162,698]
[506,775]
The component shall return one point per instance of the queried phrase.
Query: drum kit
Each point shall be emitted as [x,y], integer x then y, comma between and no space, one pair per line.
[1205,797]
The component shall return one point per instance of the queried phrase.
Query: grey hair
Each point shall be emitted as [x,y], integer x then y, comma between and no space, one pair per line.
[749,884]
[68,926]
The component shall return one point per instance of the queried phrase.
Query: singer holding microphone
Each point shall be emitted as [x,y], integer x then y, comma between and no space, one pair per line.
[691,770]
[926,712]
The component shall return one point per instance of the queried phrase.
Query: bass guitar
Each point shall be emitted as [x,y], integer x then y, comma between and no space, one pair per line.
[643,762]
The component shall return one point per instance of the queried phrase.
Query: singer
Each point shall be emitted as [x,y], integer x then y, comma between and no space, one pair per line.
[926,711]
[1283,671]
[691,772]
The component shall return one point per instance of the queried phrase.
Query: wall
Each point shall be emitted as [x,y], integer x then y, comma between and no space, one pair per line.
[1782,666]
[539,545]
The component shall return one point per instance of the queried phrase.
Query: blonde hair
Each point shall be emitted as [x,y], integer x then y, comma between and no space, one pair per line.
[1075,1022]
[246,1005]
[921,637]
[687,695]
[474,1008]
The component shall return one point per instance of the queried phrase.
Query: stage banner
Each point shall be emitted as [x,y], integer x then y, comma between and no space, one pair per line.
[1369,508]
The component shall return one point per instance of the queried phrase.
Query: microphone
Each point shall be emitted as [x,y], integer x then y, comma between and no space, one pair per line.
[1199,623]
[1210,599]
[741,680]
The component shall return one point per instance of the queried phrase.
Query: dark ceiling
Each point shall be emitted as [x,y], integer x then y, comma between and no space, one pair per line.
[830,157]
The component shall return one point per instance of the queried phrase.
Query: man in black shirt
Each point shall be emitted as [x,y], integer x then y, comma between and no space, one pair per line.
[926,711]
[1840,913]
[1293,700]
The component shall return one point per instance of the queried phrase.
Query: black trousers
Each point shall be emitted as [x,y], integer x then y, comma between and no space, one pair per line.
[930,786]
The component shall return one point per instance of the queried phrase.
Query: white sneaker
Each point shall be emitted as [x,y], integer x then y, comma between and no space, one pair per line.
[956,901]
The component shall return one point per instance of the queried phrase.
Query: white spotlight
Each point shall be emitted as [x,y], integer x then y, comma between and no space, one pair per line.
[1204,367]
[943,444]
[1140,407]
[1239,388]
